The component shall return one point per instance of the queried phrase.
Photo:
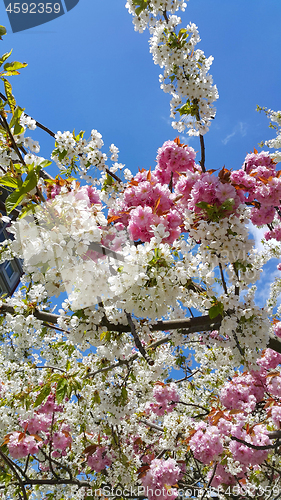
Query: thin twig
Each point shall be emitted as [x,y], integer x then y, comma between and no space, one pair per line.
[153,426]
[210,481]
[46,129]
[187,377]
[254,446]
[138,343]
[13,468]
[129,360]
[114,176]
[50,367]
[165,16]
[15,147]
[202,145]
[223,279]
[193,404]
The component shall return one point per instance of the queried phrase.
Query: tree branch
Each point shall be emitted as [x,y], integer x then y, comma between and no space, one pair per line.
[222,278]
[254,446]
[202,145]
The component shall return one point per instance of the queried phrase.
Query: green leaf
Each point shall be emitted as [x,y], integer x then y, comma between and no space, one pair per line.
[17,196]
[16,116]
[142,5]
[62,154]
[42,395]
[5,56]
[9,95]
[215,310]
[18,129]
[14,65]
[11,73]
[79,136]
[124,394]
[96,397]
[42,165]
[9,181]
[183,33]
[61,389]
[203,204]
[2,31]
[12,201]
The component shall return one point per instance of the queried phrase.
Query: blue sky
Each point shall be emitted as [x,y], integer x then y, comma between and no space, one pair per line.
[89,69]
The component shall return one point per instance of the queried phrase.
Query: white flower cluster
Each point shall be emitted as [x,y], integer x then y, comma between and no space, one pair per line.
[146,17]
[150,282]
[74,153]
[55,244]
[7,154]
[247,327]
[186,68]
[225,242]
[185,75]
[275,117]
[28,122]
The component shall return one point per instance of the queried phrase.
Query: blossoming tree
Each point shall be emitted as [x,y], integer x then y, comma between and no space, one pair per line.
[158,377]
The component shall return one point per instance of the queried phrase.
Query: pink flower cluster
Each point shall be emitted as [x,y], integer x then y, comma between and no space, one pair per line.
[275,414]
[178,183]
[21,444]
[270,359]
[206,443]
[100,459]
[243,453]
[212,191]
[277,329]
[261,181]
[172,160]
[274,384]
[61,441]
[147,202]
[221,477]
[243,391]
[161,475]
[166,398]
[148,199]
[88,194]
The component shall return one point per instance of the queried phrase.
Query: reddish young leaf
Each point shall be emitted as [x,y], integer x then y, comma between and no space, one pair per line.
[90,449]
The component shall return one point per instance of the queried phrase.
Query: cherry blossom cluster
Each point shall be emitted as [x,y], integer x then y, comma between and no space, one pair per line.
[39,432]
[166,397]
[185,75]
[8,154]
[144,16]
[74,153]
[160,478]
[186,68]
[275,122]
